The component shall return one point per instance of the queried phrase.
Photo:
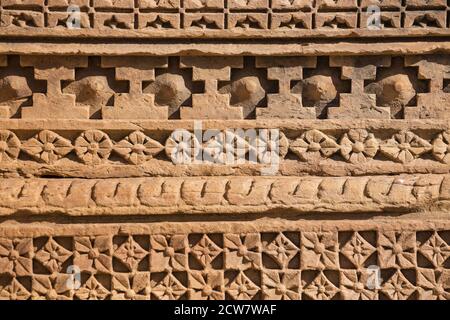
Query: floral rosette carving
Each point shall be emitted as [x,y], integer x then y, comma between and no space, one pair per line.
[9,146]
[47,146]
[168,288]
[137,148]
[206,285]
[14,291]
[92,290]
[130,253]
[215,148]
[404,147]
[358,146]
[16,256]
[224,146]
[441,147]
[52,255]
[314,144]
[182,147]
[93,253]
[93,147]
[321,288]
[272,145]
[242,288]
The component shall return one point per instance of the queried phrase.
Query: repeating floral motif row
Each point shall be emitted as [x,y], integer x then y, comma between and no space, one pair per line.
[354,146]
[287,265]
[273,285]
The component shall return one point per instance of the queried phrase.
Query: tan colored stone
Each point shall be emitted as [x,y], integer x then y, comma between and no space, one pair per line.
[135,104]
[211,104]
[112,158]
[357,104]
[285,104]
[54,104]
[435,103]
[228,195]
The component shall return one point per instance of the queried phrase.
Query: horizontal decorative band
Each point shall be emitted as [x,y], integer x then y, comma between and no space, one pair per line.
[37,34]
[234,18]
[231,87]
[167,126]
[150,151]
[318,260]
[221,47]
[227,147]
[141,196]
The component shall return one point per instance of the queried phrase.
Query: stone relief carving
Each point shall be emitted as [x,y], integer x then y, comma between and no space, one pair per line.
[344,88]
[217,150]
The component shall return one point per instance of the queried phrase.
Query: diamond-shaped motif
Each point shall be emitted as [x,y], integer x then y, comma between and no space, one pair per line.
[137,148]
[92,290]
[169,288]
[14,291]
[52,255]
[131,286]
[242,288]
[319,250]
[441,147]
[278,285]
[47,146]
[54,287]
[168,253]
[358,285]
[206,285]
[433,284]
[15,256]
[282,250]
[205,250]
[313,145]
[242,251]
[404,147]
[130,253]
[321,288]
[357,250]
[398,287]
[93,254]
[436,250]
[397,249]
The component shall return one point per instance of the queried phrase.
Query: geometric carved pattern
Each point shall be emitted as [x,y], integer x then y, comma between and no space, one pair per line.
[280,265]
[224,150]
[215,16]
[144,87]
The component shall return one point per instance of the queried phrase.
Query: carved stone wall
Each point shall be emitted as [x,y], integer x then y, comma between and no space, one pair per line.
[112,186]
